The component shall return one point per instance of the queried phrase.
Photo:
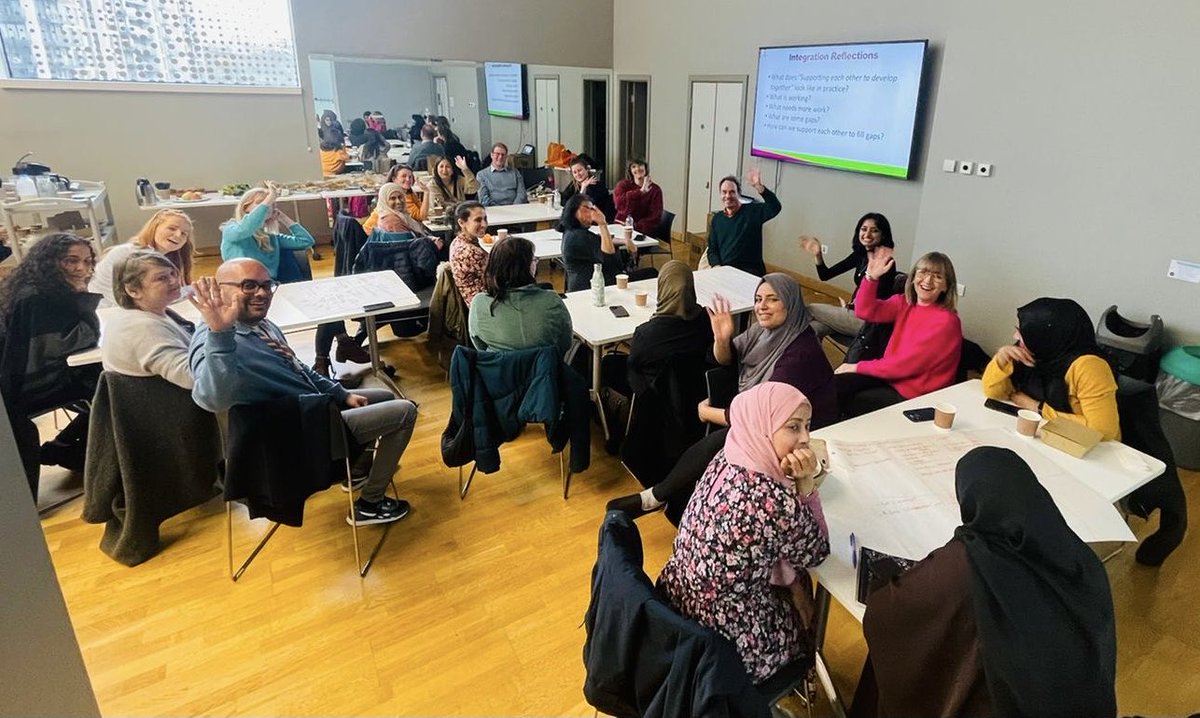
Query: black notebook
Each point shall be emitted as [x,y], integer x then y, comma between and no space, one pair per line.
[876,568]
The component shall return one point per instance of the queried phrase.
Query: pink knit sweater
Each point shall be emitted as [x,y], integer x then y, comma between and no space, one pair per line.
[922,355]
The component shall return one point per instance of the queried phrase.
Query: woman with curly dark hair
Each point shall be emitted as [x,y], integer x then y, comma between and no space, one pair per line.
[47,314]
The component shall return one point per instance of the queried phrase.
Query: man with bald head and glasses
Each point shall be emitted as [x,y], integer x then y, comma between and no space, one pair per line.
[238,356]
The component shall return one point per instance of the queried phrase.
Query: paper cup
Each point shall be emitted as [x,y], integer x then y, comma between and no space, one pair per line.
[502,234]
[628,233]
[622,281]
[1028,422]
[943,415]
[639,298]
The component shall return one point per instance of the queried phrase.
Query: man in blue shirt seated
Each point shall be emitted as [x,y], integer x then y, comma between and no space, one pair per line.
[499,183]
[238,356]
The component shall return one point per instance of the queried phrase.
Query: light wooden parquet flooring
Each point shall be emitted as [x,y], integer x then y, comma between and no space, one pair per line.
[473,607]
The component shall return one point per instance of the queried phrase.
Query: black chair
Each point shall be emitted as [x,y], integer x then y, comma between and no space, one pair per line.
[534,176]
[642,658]
[663,234]
[871,341]
[274,483]
[1137,405]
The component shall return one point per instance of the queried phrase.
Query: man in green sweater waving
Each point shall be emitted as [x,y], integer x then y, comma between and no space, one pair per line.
[735,236]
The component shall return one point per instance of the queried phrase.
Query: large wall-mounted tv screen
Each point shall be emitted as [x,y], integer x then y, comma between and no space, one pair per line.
[848,106]
[506,96]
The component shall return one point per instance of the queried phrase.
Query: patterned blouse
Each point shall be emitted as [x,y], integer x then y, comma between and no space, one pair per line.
[736,528]
[467,260]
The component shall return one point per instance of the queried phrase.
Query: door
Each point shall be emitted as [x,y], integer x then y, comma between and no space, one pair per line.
[595,125]
[635,121]
[441,96]
[545,95]
[714,147]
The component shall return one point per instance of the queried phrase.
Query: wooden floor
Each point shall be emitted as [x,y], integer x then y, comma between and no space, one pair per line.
[473,608]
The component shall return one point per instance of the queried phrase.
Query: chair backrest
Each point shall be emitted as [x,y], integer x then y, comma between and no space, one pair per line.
[722,386]
[413,259]
[663,231]
[348,238]
[628,625]
[278,453]
[535,175]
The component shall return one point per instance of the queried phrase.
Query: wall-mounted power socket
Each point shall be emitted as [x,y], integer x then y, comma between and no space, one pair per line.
[966,168]
[824,249]
[984,169]
[949,165]
[962,290]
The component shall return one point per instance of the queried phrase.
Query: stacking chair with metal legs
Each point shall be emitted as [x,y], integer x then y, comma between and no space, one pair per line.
[276,483]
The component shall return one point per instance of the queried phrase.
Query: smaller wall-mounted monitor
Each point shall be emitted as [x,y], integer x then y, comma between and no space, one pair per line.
[849,107]
[506,96]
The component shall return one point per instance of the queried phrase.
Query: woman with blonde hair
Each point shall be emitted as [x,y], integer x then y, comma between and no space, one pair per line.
[260,230]
[168,232]
[923,353]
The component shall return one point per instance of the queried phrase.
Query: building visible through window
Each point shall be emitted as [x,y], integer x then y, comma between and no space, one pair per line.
[210,42]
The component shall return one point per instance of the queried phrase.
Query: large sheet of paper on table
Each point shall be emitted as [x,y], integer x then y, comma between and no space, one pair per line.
[904,490]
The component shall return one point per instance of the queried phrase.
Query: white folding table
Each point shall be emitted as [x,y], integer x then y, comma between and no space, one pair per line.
[1111,469]
[301,305]
[598,327]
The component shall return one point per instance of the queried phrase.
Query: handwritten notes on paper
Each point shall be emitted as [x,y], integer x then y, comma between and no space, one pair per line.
[346,296]
[903,495]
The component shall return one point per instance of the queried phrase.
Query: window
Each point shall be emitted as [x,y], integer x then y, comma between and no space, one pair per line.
[203,42]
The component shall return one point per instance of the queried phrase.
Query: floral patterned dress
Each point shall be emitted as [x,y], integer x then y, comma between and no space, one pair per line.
[467,261]
[736,528]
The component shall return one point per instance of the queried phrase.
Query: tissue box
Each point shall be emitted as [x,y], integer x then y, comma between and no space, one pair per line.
[1070,437]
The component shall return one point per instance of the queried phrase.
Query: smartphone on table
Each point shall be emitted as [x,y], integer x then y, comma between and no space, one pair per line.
[919,415]
[619,311]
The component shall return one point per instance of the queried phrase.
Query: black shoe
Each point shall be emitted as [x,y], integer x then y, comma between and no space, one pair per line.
[350,351]
[631,505]
[384,512]
[57,453]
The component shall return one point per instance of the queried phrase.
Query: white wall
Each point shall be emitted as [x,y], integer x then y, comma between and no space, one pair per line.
[212,139]
[398,90]
[1085,114]
[466,105]
[43,669]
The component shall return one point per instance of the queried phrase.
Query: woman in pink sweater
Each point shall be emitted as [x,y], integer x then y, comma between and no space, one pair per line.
[922,355]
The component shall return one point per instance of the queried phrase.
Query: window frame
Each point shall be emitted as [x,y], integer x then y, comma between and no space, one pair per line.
[12,83]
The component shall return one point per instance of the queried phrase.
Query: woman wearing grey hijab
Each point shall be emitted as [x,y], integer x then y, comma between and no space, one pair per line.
[781,346]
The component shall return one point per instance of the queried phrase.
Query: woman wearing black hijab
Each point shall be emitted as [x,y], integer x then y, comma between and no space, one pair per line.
[1012,617]
[1056,368]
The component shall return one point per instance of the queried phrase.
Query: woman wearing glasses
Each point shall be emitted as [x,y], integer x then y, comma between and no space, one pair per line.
[922,355]
[47,314]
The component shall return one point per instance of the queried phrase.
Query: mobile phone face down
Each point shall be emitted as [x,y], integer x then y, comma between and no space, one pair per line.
[619,311]
[919,415]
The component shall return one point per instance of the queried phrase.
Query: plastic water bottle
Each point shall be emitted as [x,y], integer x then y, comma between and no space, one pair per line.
[597,286]
[557,201]
[628,227]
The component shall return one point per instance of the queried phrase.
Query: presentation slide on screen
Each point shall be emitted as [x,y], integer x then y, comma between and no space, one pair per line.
[850,107]
[505,89]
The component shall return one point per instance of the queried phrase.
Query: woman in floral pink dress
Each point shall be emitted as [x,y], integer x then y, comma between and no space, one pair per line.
[754,520]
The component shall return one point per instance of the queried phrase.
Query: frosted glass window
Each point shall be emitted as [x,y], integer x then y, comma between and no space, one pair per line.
[211,42]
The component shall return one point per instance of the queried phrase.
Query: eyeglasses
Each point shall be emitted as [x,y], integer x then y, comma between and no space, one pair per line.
[923,273]
[249,286]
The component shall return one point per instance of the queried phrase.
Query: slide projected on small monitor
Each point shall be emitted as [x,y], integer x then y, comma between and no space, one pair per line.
[506,89]
[849,107]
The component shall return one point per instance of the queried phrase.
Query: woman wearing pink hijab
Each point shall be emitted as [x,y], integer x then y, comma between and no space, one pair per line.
[754,519]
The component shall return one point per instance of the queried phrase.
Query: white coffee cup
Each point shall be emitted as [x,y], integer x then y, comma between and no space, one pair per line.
[501,234]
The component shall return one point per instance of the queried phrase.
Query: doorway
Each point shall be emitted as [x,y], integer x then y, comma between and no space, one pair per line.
[545,120]
[634,125]
[714,145]
[595,124]
[441,94]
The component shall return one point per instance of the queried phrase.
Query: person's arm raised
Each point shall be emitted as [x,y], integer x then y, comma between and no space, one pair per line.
[722,326]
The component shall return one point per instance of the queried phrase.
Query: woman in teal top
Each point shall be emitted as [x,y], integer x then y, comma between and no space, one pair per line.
[260,230]
[513,312]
